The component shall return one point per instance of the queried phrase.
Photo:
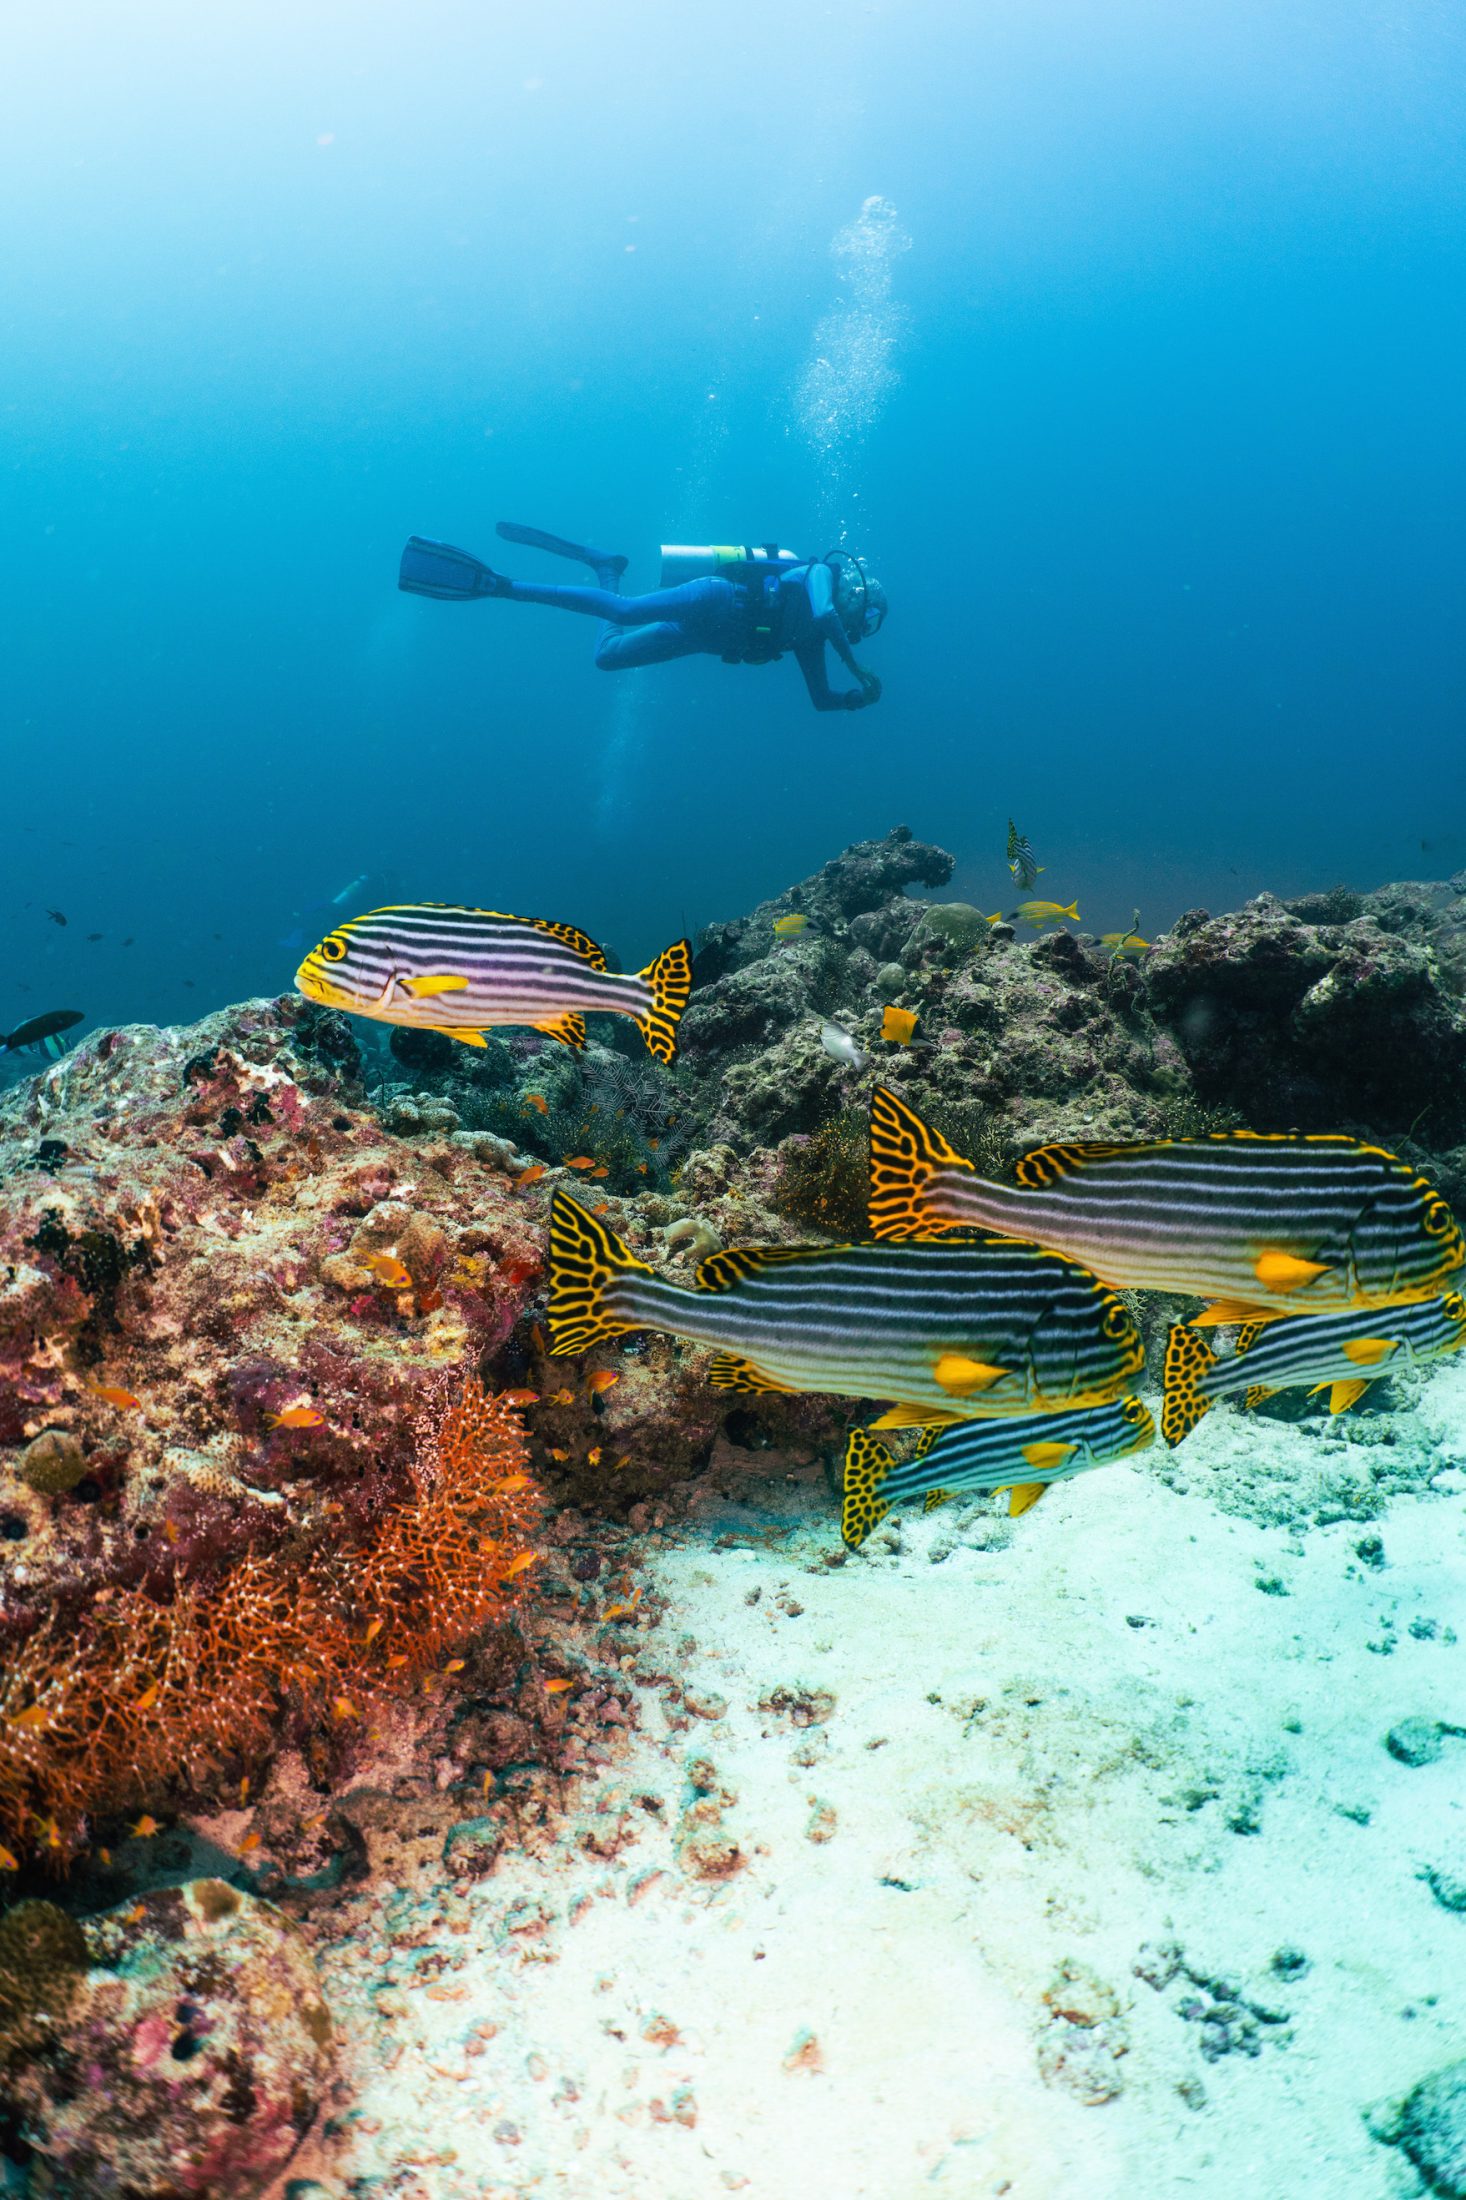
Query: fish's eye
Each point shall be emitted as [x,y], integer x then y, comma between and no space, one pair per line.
[1454,1306]
[333,948]
[1133,1410]
[1117,1321]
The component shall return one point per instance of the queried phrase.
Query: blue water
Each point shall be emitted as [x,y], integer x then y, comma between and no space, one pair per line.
[1151,427]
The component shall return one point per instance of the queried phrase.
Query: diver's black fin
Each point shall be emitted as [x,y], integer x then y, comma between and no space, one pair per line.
[437,569]
[603,563]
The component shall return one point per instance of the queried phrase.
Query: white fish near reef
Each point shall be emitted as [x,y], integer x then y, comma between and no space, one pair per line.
[841,1047]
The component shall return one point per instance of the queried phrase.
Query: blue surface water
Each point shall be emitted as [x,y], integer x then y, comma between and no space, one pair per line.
[1138,381]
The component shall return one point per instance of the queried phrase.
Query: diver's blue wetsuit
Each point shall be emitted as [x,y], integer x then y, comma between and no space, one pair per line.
[711,618]
[790,610]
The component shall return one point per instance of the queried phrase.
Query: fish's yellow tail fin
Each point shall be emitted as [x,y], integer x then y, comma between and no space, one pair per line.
[867,1463]
[905,1154]
[670,978]
[584,1258]
[1188,1359]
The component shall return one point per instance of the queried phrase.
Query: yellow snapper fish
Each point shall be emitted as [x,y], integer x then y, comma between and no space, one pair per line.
[1263,1223]
[1340,1353]
[949,1331]
[441,967]
[1126,943]
[1022,1456]
[1047,912]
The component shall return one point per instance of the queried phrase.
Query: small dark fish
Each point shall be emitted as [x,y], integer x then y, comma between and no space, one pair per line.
[38,1029]
[56,916]
[92,936]
[128,941]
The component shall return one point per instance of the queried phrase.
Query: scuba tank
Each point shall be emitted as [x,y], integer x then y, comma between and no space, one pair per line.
[729,561]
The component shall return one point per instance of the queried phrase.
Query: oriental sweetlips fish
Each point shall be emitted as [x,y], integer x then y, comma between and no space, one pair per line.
[41,1031]
[1263,1223]
[459,971]
[1021,1456]
[1340,1353]
[949,1331]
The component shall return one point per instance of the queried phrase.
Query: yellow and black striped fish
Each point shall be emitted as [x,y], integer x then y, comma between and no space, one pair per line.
[442,967]
[1340,1353]
[1022,1456]
[1263,1224]
[949,1331]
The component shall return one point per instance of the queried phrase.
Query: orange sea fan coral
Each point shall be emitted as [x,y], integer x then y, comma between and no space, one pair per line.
[136,1698]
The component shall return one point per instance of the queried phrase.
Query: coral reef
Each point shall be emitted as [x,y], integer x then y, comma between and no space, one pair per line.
[139,1699]
[189,1310]
[182,2053]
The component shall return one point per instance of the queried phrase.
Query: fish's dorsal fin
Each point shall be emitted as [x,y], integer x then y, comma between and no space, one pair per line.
[729,1372]
[1048,1164]
[904,1154]
[569,935]
[1023,1494]
[721,1270]
[905,1416]
[569,1029]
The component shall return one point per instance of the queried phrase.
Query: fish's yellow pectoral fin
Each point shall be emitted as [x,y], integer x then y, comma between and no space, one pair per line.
[465,1038]
[954,1372]
[729,1372]
[904,1416]
[427,988]
[937,1497]
[1369,1351]
[1023,1494]
[1043,1458]
[569,1030]
[1286,1271]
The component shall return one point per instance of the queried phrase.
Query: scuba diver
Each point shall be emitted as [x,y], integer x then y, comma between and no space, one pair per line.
[749,604]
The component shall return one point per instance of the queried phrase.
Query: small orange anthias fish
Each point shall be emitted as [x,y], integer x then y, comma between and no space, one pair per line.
[561,1398]
[388,1269]
[536,1100]
[114,1396]
[519,1397]
[579,1161]
[145,1827]
[532,1174]
[601,1380]
[8,1862]
[295,1417]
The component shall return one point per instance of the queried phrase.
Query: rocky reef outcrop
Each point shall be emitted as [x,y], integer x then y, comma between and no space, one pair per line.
[175,2049]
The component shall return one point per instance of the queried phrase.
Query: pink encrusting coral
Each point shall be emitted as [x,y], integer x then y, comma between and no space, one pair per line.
[198,1354]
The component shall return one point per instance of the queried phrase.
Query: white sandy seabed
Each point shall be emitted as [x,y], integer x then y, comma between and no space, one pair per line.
[1065,1858]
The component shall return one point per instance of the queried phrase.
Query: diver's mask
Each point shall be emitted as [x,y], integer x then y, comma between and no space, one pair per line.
[860,599]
